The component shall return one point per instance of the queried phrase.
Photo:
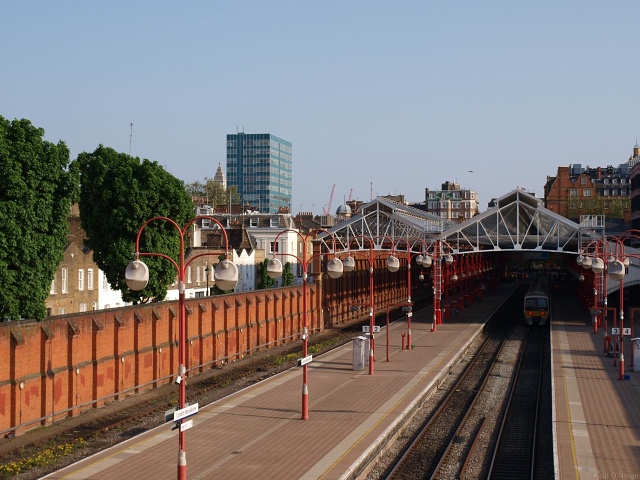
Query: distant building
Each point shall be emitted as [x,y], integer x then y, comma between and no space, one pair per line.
[635,188]
[78,284]
[450,203]
[260,166]
[577,190]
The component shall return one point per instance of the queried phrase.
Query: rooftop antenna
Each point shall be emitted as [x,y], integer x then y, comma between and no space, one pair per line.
[130,137]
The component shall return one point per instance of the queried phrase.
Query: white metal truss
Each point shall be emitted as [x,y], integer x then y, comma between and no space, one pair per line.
[518,221]
[384,222]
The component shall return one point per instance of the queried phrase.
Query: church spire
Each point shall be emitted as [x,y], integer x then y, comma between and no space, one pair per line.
[219,177]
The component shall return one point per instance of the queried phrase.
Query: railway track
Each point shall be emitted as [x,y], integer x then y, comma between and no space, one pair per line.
[439,445]
[504,393]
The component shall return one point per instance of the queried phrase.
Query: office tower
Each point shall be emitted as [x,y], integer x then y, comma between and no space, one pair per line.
[260,166]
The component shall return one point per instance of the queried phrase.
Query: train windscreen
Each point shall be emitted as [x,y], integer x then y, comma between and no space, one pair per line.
[536,303]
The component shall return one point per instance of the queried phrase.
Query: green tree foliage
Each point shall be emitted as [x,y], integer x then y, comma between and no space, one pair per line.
[36,192]
[287,275]
[264,280]
[213,192]
[118,194]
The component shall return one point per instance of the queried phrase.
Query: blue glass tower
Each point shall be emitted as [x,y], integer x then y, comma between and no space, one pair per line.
[259,165]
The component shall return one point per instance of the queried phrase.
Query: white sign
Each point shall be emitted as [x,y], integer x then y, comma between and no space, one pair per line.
[410,314]
[305,360]
[626,331]
[615,331]
[186,425]
[185,412]
[376,329]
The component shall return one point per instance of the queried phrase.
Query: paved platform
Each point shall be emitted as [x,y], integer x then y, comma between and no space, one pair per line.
[597,416]
[258,432]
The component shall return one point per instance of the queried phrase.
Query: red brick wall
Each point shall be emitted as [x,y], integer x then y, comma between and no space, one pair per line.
[65,365]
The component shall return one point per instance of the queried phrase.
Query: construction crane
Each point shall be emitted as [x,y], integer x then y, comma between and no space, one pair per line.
[350,193]
[327,211]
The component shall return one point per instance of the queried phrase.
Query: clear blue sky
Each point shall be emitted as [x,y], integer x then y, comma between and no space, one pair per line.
[376,96]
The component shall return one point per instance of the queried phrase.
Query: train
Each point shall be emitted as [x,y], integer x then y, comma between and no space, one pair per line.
[536,302]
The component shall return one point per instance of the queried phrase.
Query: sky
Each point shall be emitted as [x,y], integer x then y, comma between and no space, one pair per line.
[377,97]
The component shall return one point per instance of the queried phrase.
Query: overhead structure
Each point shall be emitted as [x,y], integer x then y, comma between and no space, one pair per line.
[385,221]
[517,221]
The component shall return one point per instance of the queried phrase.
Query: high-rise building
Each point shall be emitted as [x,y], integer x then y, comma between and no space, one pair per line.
[259,165]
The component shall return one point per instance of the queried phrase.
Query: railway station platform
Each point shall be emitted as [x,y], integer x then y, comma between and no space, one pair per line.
[258,432]
[597,416]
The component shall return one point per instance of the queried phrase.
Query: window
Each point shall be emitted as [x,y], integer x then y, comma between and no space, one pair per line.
[605,193]
[61,311]
[253,222]
[105,283]
[274,247]
[65,281]
[189,274]
[83,307]
[615,180]
[573,192]
[197,274]
[89,278]
[623,191]
[80,279]
[583,180]
[52,290]
[606,181]
[587,192]
[275,222]
[94,306]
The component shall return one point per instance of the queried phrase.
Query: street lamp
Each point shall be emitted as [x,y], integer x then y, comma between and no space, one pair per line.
[393,264]
[609,254]
[137,277]
[274,270]
[206,273]
[422,259]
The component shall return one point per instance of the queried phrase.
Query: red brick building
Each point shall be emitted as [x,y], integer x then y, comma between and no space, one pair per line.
[577,190]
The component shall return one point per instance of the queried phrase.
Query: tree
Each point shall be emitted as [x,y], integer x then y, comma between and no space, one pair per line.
[265,281]
[287,275]
[36,192]
[214,192]
[118,194]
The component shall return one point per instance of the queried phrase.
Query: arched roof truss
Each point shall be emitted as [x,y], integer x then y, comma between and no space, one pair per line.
[518,221]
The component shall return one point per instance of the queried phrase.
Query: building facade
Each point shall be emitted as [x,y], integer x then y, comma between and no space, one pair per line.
[578,190]
[450,203]
[260,166]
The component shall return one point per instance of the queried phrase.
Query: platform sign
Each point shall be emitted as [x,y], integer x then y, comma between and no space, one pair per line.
[410,314]
[168,415]
[305,360]
[626,331]
[376,329]
[185,412]
[615,331]
[186,425]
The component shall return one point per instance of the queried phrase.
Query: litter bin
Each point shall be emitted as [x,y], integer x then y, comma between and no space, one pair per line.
[360,352]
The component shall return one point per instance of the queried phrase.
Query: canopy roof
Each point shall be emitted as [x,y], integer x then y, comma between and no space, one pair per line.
[518,221]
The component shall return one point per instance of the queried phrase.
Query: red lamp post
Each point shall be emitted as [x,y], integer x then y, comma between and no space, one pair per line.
[137,277]
[393,264]
[609,254]
[334,270]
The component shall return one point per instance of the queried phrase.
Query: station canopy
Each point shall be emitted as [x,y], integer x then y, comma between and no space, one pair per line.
[516,221]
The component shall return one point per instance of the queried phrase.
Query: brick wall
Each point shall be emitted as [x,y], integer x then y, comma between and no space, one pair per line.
[65,365]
